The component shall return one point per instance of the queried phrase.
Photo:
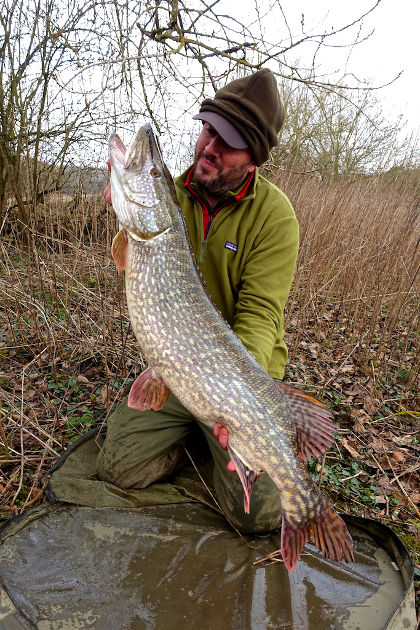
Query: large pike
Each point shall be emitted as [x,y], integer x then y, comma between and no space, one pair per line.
[191,351]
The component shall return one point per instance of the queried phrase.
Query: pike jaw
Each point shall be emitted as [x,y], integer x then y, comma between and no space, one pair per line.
[142,191]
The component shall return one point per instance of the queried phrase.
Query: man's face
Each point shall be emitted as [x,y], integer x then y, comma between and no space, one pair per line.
[217,166]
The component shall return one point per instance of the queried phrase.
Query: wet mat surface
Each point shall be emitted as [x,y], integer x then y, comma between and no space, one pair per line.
[180,566]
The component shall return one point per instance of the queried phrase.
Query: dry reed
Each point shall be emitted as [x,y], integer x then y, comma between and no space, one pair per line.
[357,284]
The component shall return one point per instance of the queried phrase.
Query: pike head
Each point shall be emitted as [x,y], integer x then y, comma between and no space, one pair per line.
[142,190]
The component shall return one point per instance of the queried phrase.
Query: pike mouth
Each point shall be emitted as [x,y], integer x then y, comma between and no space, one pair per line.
[117,149]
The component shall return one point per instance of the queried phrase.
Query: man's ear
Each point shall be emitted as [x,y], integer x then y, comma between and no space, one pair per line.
[252,168]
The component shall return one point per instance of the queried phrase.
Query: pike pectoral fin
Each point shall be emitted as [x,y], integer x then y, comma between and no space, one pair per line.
[314,427]
[148,391]
[328,531]
[119,249]
[247,476]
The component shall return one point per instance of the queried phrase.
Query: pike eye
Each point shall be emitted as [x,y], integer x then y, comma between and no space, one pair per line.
[155,172]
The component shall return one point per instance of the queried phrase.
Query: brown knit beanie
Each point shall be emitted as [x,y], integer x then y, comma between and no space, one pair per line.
[252,105]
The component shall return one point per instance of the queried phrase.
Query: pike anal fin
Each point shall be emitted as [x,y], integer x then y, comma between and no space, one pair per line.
[247,476]
[328,531]
[148,391]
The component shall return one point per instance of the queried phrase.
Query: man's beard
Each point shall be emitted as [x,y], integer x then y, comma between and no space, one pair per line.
[224,181]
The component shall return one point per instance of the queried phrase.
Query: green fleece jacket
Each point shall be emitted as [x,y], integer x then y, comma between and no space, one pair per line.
[247,261]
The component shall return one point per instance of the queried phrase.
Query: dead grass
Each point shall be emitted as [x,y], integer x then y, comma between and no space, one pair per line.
[67,352]
[358,271]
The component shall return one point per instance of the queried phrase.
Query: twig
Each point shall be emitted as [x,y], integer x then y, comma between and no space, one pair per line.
[4,440]
[27,459]
[322,470]
[36,497]
[417,511]
[379,466]
[273,556]
[408,412]
[11,480]
[352,477]
[22,461]
[406,472]
[50,448]
[203,482]
[215,501]
[343,362]
[35,477]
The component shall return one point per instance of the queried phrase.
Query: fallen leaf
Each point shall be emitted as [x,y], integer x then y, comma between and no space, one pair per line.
[377,445]
[405,440]
[398,457]
[370,386]
[371,405]
[354,391]
[415,497]
[104,395]
[350,447]
[384,485]
[371,463]
[82,379]
[380,498]
[360,428]
[362,415]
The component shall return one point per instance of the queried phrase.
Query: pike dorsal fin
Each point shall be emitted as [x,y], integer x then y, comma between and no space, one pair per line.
[314,427]
[148,391]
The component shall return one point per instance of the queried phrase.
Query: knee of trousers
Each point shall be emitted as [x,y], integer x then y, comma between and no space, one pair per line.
[125,474]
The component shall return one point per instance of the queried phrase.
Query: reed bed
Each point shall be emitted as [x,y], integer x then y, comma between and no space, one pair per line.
[67,351]
[357,284]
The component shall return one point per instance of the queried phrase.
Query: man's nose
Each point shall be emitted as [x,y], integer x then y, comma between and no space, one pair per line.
[213,146]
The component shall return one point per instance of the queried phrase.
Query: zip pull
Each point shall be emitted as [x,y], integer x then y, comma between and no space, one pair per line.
[203,245]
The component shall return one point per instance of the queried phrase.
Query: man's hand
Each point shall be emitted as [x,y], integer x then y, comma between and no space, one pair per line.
[107,191]
[221,433]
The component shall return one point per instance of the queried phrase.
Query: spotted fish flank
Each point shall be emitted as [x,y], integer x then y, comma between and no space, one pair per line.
[192,352]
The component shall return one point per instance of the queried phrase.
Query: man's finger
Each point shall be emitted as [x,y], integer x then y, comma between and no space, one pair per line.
[222,434]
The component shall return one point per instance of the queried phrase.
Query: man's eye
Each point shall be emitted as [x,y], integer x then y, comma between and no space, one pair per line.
[210,130]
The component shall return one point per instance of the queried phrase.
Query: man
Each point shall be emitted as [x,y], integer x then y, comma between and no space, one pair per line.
[244,234]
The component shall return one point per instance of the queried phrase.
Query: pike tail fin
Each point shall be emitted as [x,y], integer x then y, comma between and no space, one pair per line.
[328,531]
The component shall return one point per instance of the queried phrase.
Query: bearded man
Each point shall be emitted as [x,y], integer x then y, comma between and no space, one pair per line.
[244,235]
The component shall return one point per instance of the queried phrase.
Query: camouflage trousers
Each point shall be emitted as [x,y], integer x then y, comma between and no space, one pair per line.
[142,447]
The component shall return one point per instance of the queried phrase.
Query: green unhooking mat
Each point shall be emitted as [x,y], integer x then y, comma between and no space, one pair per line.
[98,557]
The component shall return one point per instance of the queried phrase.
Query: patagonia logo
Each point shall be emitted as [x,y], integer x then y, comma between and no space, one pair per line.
[231,246]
